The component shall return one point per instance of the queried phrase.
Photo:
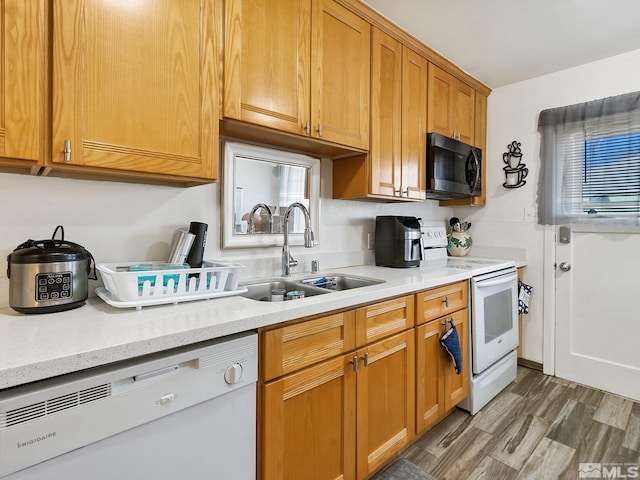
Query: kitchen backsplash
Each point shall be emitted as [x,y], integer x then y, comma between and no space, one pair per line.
[120,222]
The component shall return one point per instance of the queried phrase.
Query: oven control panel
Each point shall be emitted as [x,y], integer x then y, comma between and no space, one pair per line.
[434,236]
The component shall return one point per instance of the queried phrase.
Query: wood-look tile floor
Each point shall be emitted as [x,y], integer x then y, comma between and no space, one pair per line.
[538,428]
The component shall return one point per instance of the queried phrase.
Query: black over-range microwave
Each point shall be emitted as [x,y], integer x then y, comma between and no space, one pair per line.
[453,168]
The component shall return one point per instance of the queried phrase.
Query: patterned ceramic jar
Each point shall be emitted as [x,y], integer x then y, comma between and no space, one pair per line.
[459,244]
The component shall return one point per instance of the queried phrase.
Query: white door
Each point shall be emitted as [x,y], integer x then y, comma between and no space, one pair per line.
[597,310]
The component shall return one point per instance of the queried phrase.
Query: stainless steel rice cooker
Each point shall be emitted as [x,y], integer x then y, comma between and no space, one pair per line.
[48,275]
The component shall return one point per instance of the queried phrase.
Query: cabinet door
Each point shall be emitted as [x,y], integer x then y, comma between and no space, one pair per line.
[383,319]
[429,375]
[451,106]
[135,86]
[435,302]
[267,51]
[441,86]
[307,424]
[386,114]
[480,133]
[414,124]
[386,400]
[340,71]
[456,386]
[464,106]
[22,79]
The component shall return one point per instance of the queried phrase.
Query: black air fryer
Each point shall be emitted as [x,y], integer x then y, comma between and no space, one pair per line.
[398,242]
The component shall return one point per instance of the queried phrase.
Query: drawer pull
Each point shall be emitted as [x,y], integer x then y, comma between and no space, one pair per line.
[445,300]
[365,359]
[354,362]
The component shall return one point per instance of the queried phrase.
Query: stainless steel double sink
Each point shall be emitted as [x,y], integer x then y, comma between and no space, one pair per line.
[311,286]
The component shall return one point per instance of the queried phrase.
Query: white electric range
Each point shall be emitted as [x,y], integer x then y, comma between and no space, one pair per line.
[493,316]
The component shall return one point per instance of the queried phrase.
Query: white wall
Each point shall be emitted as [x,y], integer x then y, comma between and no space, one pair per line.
[513,115]
[125,222]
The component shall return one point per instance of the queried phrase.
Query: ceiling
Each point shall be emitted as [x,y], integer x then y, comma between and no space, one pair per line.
[500,42]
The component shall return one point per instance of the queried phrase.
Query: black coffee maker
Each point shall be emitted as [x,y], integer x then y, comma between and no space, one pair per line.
[398,241]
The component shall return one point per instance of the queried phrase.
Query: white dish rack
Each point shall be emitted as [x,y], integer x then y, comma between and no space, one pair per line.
[125,289]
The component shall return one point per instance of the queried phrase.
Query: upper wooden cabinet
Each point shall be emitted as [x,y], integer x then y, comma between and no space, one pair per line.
[395,166]
[298,66]
[398,119]
[267,63]
[451,110]
[135,88]
[414,125]
[480,142]
[22,83]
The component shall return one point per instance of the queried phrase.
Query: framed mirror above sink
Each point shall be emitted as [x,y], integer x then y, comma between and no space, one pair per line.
[258,185]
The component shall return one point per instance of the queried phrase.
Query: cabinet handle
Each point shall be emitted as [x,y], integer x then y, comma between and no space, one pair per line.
[404,192]
[445,300]
[365,359]
[307,127]
[354,362]
[397,192]
[319,130]
[67,150]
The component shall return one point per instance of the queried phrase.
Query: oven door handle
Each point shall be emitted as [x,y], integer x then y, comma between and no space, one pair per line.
[493,283]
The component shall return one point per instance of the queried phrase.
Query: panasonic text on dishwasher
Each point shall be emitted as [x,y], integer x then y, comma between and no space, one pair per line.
[35,440]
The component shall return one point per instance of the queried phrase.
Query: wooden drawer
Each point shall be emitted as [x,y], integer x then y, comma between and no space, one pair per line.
[287,349]
[383,319]
[440,301]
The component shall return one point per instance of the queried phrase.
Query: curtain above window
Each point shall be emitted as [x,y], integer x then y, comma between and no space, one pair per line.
[590,162]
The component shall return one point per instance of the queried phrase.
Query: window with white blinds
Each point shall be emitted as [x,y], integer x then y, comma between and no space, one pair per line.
[602,171]
[590,165]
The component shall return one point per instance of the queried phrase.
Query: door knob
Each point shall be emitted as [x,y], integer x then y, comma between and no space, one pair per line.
[564,266]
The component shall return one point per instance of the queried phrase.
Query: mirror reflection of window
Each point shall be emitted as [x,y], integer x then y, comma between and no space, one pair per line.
[294,188]
[273,184]
[257,178]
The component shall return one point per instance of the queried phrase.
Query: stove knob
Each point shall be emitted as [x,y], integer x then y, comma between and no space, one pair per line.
[233,373]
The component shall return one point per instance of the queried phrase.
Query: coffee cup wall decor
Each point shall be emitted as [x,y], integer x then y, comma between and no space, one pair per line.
[515,171]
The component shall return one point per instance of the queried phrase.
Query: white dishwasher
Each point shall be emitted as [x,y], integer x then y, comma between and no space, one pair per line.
[189,413]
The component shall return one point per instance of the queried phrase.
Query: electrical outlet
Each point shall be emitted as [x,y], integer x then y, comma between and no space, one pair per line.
[529,214]
[371,241]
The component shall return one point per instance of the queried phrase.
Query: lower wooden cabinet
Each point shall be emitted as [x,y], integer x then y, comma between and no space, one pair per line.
[307,424]
[438,388]
[342,418]
[340,395]
[385,401]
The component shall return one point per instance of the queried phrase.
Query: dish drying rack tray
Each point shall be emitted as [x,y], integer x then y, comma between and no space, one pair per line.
[126,289]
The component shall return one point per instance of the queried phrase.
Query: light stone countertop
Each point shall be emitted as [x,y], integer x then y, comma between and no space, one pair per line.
[35,347]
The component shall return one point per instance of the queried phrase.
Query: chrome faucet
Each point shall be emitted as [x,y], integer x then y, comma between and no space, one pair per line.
[287,260]
[256,207]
